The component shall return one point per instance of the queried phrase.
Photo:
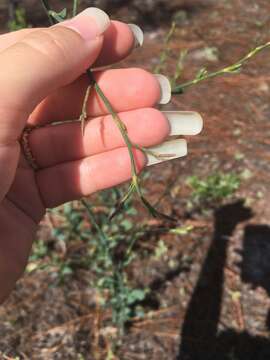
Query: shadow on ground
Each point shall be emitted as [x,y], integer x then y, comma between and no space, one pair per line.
[200,337]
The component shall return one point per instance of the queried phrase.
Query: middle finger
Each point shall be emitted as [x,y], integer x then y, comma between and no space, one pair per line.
[126,89]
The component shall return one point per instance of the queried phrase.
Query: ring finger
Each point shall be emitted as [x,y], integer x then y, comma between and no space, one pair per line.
[146,127]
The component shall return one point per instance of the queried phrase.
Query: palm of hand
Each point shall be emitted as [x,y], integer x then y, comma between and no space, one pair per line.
[20,212]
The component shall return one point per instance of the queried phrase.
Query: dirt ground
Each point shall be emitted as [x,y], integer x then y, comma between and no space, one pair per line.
[214,303]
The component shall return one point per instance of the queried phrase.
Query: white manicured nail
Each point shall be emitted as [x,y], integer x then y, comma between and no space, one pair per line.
[90,23]
[184,122]
[138,42]
[100,17]
[138,35]
[169,150]
[165,87]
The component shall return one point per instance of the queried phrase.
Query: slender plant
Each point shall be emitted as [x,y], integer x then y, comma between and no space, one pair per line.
[135,186]
[202,75]
[112,273]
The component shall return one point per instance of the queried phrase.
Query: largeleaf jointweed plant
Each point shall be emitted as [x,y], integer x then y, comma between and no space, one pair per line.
[105,237]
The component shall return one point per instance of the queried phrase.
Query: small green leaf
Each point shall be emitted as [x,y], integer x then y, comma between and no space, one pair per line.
[201,74]
[59,17]
[182,230]
[66,270]
[63,13]
[127,224]
[136,295]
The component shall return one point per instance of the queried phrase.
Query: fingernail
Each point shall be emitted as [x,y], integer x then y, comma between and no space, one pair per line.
[169,150]
[138,35]
[165,87]
[90,23]
[184,122]
[101,68]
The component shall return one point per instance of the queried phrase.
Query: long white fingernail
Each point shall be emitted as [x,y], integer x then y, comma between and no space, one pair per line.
[138,35]
[169,150]
[184,122]
[90,23]
[138,42]
[165,89]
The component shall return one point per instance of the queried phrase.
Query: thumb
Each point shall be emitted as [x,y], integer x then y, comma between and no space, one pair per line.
[37,65]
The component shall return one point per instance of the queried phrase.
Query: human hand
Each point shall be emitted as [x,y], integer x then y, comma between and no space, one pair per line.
[42,81]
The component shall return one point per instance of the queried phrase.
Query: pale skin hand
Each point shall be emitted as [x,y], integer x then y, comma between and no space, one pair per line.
[42,81]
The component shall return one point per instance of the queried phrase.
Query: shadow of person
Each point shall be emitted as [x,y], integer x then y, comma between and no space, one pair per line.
[255,270]
[200,339]
[255,265]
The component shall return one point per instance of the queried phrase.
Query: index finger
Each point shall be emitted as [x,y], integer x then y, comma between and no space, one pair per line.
[119,41]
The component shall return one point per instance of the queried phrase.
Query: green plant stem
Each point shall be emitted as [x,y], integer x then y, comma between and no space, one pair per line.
[47,9]
[102,236]
[54,18]
[166,51]
[135,183]
[84,115]
[121,126]
[75,7]
[204,75]
[119,308]
[232,69]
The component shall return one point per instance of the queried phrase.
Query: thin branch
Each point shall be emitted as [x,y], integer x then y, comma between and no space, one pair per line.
[75,7]
[135,184]
[102,236]
[84,116]
[47,9]
[232,69]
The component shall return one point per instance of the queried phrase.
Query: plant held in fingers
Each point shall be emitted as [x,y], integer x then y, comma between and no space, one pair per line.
[202,75]
[111,270]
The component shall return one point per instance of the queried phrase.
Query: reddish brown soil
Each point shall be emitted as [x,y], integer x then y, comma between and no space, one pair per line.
[214,303]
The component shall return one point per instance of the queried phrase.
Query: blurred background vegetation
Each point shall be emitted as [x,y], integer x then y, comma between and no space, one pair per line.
[149,12]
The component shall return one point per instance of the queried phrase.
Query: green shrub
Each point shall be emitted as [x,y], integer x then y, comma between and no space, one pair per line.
[214,188]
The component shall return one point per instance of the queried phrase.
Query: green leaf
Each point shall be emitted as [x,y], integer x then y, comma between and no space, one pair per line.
[66,270]
[63,13]
[161,249]
[136,295]
[59,17]
[182,230]
[201,74]
[127,224]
